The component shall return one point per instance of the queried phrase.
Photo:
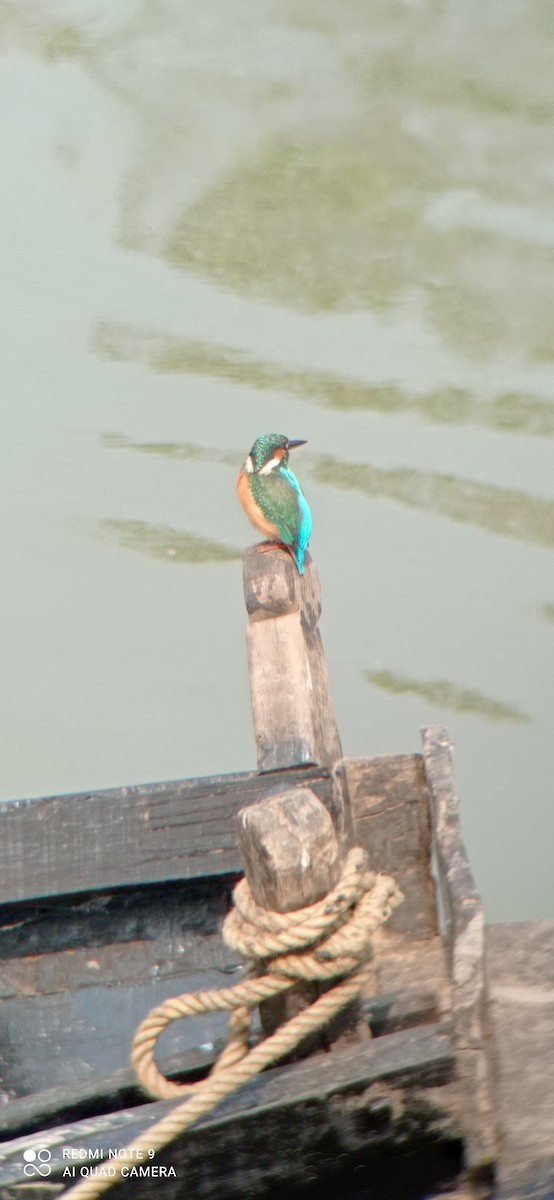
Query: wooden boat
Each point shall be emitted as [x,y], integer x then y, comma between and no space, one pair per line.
[112,902]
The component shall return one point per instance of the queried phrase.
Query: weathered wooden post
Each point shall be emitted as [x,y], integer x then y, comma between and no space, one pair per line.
[291,846]
[294,722]
[465,941]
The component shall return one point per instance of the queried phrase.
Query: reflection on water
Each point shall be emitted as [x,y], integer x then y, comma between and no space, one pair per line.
[443,694]
[180,451]
[161,542]
[451,85]
[331,219]
[118,342]
[290,222]
[64,42]
[499,510]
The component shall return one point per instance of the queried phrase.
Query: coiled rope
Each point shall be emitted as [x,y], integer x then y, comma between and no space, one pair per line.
[328,940]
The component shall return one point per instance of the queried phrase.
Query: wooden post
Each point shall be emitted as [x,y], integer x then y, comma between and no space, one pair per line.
[465,939]
[294,721]
[292,858]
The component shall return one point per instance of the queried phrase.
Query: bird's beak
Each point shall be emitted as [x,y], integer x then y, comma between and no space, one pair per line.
[293,445]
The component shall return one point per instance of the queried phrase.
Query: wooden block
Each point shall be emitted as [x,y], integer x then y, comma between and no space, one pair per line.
[292,859]
[465,932]
[390,811]
[290,850]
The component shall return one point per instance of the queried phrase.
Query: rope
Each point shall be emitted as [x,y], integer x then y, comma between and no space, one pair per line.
[326,941]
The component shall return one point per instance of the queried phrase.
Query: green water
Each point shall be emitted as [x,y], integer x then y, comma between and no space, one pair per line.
[335,222]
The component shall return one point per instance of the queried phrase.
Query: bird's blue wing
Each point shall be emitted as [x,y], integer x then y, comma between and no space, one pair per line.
[303,523]
[282,502]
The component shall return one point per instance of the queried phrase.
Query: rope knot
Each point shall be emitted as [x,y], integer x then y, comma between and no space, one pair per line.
[329,941]
[326,941]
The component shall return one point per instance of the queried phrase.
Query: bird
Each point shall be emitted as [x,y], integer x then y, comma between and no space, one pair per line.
[272,498]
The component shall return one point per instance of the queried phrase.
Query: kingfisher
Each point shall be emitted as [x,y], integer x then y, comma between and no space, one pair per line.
[272,498]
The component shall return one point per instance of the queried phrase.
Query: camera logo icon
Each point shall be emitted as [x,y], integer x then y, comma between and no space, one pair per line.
[37,1162]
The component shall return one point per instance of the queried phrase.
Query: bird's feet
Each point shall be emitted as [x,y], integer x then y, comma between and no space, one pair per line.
[266,547]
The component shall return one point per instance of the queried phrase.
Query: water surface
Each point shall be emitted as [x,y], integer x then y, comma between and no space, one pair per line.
[338,225]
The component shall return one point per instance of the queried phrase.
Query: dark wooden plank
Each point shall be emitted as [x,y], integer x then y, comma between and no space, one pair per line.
[465,937]
[136,835]
[390,810]
[44,975]
[172,915]
[82,1097]
[293,1125]
[86,1034]
[195,944]
[86,1097]
[68,1015]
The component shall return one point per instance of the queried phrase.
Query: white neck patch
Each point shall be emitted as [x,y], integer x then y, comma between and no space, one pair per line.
[249,465]
[270,466]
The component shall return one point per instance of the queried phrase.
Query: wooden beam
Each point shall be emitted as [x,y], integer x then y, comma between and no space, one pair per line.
[390,811]
[132,835]
[465,937]
[294,720]
[294,1125]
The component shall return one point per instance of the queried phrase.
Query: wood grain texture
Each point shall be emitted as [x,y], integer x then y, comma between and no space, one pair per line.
[387,1103]
[52,973]
[67,1015]
[272,589]
[390,812]
[136,835]
[294,720]
[85,1034]
[73,992]
[279,689]
[465,933]
[520,971]
[402,964]
[289,849]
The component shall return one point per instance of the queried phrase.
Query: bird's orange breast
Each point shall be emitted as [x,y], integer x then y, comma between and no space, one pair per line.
[253,510]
